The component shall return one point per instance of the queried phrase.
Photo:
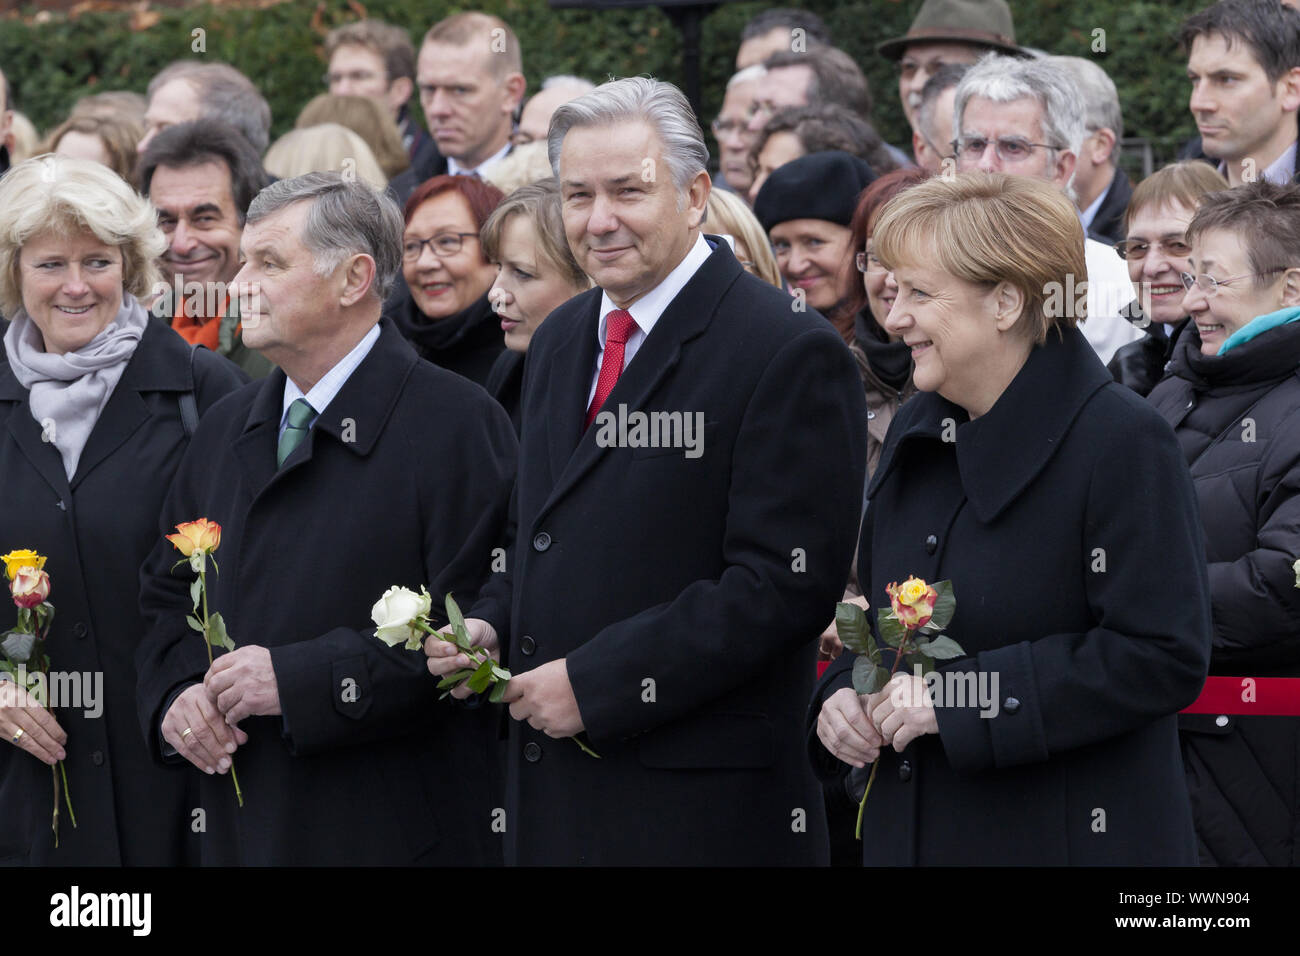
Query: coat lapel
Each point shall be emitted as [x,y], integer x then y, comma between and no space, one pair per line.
[26,433]
[255,447]
[686,317]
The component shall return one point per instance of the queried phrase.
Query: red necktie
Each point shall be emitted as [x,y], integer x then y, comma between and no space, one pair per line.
[618,326]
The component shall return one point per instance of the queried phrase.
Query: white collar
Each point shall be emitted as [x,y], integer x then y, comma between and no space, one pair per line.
[646,310]
[323,392]
[456,169]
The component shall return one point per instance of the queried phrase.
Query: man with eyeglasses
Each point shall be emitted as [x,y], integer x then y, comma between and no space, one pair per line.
[1025,118]
[470,78]
[376,59]
[732,133]
[946,32]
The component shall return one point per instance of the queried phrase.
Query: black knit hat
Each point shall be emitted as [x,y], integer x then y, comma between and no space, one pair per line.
[817,186]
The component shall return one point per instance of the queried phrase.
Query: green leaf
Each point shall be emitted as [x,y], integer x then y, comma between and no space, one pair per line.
[852,627]
[498,691]
[891,629]
[868,677]
[500,673]
[451,680]
[942,648]
[194,623]
[481,678]
[457,622]
[25,620]
[944,606]
[217,635]
[215,570]
[196,592]
[18,646]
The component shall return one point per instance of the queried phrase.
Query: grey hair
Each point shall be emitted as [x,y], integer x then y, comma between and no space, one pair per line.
[224,94]
[346,217]
[660,104]
[754,71]
[568,79]
[1100,98]
[1005,79]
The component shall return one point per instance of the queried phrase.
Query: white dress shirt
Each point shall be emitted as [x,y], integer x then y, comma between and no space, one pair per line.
[1109,290]
[323,392]
[646,310]
[481,170]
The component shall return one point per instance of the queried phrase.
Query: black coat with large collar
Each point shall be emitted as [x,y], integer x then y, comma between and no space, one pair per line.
[1041,513]
[404,479]
[685,592]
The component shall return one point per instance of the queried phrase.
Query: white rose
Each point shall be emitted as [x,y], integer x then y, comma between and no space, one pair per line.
[394,613]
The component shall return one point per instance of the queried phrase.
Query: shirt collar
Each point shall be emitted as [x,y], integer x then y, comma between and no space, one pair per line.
[323,392]
[646,310]
[1278,172]
[456,169]
[1089,214]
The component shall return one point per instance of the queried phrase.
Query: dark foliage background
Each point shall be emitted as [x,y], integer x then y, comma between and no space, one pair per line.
[52,58]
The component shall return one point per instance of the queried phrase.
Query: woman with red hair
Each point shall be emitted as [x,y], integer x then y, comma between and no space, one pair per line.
[446,313]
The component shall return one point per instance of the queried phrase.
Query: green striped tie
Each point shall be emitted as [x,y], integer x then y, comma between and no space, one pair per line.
[300,416]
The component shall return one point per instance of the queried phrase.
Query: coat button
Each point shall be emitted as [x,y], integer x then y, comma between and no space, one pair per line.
[870,414]
[1191,402]
[79,629]
[97,758]
[528,645]
[1011,705]
[931,544]
[905,771]
[532,752]
[541,541]
[60,505]
[1221,720]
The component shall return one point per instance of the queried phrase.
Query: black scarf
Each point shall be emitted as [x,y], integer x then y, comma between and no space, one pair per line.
[890,361]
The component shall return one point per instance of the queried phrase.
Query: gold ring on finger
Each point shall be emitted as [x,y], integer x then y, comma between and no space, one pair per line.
[14,738]
[186,732]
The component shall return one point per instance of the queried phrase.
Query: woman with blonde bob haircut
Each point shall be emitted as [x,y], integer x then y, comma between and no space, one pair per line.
[536,273]
[1019,472]
[97,402]
[729,216]
[326,148]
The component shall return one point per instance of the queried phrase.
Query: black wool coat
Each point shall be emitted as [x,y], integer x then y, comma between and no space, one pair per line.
[404,479]
[96,530]
[1237,417]
[505,381]
[685,594]
[1041,514]
[467,343]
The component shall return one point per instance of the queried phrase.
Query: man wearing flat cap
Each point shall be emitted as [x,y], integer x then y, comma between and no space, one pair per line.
[947,31]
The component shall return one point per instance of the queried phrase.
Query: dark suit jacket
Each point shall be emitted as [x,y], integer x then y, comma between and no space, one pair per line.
[1108,225]
[1052,515]
[685,594]
[96,530]
[425,164]
[403,480]
[505,381]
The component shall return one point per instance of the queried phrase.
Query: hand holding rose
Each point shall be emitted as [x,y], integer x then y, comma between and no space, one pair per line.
[243,684]
[544,697]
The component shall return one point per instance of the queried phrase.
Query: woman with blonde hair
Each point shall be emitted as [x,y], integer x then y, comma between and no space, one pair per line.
[1012,473]
[729,216]
[98,400]
[367,119]
[536,273]
[326,148]
[103,139]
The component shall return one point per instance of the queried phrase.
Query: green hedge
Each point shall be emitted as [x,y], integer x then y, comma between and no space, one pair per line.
[50,64]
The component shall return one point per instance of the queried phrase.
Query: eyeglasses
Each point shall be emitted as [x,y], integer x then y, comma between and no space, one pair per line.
[1011,149]
[356,76]
[443,246]
[726,127]
[1138,248]
[1210,285]
[866,260]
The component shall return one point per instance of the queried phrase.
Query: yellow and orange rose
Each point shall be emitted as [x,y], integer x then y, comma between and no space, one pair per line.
[202,535]
[912,602]
[15,560]
[30,586]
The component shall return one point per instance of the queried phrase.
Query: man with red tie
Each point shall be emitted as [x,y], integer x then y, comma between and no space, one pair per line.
[668,582]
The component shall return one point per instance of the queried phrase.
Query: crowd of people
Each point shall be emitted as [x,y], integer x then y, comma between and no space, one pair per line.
[649,414]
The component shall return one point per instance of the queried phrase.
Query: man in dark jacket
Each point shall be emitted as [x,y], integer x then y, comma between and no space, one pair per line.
[668,590]
[1250,125]
[353,446]
[471,82]
[201,176]
[1233,398]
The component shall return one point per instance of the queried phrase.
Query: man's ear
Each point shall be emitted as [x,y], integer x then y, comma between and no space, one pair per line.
[357,275]
[1288,88]
[697,197]
[1065,163]
[1008,305]
[1100,145]
[515,85]
[918,148]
